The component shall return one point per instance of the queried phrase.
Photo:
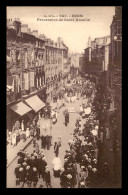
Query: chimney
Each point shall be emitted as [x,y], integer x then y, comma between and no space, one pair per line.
[35,33]
[10,23]
[29,30]
[17,19]
[24,28]
[59,39]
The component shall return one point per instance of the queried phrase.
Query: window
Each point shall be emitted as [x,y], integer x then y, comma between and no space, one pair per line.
[26,59]
[31,79]
[26,81]
[36,43]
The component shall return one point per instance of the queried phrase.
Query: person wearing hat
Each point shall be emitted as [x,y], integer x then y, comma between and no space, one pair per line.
[28,176]
[22,176]
[94,163]
[25,154]
[69,181]
[72,171]
[43,166]
[67,153]
[20,160]
[83,174]
[81,184]
[28,160]
[34,177]
[47,177]
[24,164]
[25,159]
[17,174]
[65,163]
[21,153]
[62,177]
[39,163]
[93,178]
[33,161]
[57,145]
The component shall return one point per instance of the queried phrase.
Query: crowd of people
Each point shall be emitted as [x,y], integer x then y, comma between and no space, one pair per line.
[85,150]
[32,167]
[84,163]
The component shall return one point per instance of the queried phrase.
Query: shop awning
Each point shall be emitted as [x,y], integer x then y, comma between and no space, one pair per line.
[20,108]
[35,103]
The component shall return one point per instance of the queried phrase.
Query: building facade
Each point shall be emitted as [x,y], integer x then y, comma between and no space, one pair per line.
[96,56]
[75,63]
[115,65]
[35,65]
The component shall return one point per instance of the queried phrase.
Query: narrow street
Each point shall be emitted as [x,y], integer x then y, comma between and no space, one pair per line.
[59,129]
[64,97]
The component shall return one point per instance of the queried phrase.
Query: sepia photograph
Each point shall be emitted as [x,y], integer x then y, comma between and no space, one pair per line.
[64,97]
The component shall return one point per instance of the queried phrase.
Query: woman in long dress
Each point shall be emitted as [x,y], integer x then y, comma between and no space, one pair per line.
[14,140]
[27,133]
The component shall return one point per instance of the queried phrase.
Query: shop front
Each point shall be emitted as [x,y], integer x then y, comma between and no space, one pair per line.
[17,112]
[42,95]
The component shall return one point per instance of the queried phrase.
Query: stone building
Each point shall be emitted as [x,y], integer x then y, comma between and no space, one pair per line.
[75,63]
[34,70]
[96,56]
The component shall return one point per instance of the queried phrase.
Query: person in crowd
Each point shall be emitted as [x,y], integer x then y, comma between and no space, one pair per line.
[56,166]
[28,176]
[34,177]
[22,125]
[27,133]
[43,165]
[66,118]
[69,181]
[54,117]
[85,149]
[57,145]
[38,132]
[47,177]
[14,140]
[22,176]
[106,175]
[43,137]
[17,174]
[17,136]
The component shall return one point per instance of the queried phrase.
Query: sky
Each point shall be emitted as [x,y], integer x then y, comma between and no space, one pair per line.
[97,21]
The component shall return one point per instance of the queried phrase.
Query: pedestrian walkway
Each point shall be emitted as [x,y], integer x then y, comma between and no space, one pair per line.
[12,152]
